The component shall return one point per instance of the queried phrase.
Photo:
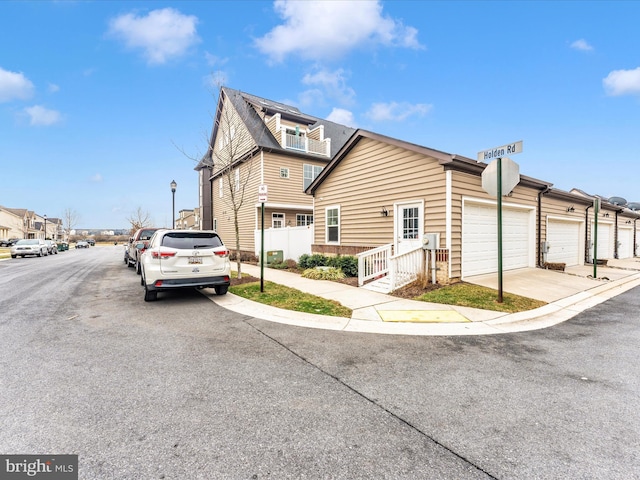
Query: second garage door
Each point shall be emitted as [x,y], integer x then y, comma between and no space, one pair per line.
[480,239]
[563,239]
[625,242]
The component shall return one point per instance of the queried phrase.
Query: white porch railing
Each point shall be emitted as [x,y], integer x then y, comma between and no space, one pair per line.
[373,263]
[406,267]
[306,144]
[399,270]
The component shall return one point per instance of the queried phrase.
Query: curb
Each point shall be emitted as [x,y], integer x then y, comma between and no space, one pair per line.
[543,317]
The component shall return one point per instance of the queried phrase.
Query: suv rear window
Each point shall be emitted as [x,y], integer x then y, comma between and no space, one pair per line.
[191,240]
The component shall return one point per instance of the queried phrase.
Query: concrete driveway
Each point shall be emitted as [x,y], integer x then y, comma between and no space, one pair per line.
[550,285]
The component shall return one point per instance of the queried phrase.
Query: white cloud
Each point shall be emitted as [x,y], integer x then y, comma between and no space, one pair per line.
[53,88]
[318,30]
[342,116]
[333,84]
[622,82]
[214,60]
[14,86]
[394,111]
[162,34]
[41,116]
[581,44]
[97,178]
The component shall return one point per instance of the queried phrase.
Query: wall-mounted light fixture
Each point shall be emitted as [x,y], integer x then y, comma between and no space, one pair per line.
[628,221]
[606,215]
[571,209]
[384,212]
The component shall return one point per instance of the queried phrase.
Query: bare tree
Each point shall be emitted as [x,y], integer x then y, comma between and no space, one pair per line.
[70,220]
[139,219]
[233,160]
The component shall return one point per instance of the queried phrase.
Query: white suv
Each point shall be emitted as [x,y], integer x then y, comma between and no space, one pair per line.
[183,259]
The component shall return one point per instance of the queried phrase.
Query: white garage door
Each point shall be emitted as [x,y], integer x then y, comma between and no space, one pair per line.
[480,239]
[605,243]
[563,239]
[625,247]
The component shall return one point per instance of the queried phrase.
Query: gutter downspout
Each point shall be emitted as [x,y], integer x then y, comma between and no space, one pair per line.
[615,238]
[539,233]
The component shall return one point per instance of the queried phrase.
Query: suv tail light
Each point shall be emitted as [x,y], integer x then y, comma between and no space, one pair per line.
[162,254]
[222,253]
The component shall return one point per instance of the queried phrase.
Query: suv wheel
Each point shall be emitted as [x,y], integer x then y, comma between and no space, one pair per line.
[150,295]
[138,271]
[222,290]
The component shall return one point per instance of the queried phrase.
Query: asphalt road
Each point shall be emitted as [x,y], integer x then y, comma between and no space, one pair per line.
[183,389]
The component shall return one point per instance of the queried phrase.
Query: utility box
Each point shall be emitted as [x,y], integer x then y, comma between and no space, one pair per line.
[430,241]
[275,256]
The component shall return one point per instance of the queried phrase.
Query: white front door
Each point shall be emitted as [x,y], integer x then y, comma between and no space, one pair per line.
[409,226]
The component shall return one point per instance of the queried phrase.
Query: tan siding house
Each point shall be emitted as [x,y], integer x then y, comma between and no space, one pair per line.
[379,191]
[256,142]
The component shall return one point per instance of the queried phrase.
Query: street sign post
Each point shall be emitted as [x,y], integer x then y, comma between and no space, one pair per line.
[500,152]
[262,198]
[506,173]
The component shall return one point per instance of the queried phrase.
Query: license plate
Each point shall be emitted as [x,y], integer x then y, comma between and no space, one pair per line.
[195,260]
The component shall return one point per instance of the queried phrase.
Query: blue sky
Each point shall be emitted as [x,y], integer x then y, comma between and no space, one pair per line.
[103,103]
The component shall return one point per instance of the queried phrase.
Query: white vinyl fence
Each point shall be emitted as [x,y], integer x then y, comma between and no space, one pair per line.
[293,241]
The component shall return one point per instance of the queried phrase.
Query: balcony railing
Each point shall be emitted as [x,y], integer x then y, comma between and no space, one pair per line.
[305,144]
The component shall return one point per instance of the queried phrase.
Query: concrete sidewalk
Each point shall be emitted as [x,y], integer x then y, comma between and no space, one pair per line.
[568,294]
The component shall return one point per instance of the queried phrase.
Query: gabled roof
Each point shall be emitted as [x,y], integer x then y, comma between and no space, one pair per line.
[448,161]
[248,106]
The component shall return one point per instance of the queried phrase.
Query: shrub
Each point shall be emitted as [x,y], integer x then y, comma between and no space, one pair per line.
[323,273]
[348,263]
[288,264]
[312,261]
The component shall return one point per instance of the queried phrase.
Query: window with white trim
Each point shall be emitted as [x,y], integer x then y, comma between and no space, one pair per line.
[284,172]
[332,234]
[309,174]
[277,220]
[303,219]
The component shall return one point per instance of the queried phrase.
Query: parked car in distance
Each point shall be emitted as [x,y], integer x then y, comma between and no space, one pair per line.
[91,242]
[82,244]
[184,259]
[29,246]
[62,246]
[142,235]
[52,247]
[8,242]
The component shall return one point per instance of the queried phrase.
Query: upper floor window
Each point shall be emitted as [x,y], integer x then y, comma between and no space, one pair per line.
[284,172]
[309,173]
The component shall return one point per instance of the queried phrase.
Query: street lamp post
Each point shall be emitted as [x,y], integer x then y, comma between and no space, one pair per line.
[173,202]
[45,227]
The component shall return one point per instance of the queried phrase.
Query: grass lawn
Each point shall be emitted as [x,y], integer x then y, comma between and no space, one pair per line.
[475,296]
[289,299]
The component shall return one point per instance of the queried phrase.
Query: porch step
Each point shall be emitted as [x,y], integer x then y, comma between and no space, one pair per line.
[382,285]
